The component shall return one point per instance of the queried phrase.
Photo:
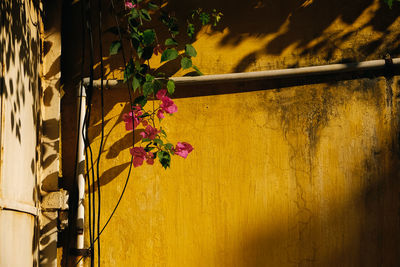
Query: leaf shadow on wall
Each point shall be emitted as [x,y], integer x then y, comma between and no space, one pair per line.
[302,25]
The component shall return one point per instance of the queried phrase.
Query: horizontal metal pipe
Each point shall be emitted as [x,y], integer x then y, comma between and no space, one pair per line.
[272,74]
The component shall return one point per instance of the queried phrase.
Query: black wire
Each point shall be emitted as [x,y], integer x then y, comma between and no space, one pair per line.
[102,130]
[88,113]
[91,235]
[114,210]
[133,140]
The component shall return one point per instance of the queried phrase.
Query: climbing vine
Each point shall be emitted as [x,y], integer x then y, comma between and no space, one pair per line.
[147,83]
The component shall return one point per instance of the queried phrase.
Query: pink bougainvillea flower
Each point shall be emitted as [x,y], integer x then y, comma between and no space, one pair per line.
[150,158]
[139,154]
[183,149]
[150,132]
[132,119]
[160,114]
[168,105]
[129,5]
[160,94]
[127,117]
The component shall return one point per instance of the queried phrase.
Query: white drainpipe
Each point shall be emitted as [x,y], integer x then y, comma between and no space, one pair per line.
[80,172]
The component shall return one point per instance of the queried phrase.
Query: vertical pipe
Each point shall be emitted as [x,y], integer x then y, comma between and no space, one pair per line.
[80,171]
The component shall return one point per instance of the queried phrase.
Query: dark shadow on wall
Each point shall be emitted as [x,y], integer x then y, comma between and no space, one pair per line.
[184,91]
[367,225]
[302,25]
[306,23]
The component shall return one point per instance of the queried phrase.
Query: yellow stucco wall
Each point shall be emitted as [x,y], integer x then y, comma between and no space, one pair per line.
[303,176]
[295,176]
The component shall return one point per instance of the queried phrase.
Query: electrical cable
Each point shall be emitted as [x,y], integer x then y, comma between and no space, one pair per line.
[87,121]
[133,140]
[83,11]
[102,130]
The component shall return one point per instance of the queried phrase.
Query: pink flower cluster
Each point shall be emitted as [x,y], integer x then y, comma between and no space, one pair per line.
[129,5]
[132,119]
[150,132]
[167,105]
[139,155]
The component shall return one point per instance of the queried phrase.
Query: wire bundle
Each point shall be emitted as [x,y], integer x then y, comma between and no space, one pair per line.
[93,171]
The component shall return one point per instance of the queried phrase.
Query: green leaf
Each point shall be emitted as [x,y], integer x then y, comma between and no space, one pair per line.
[135,83]
[171,87]
[140,51]
[149,78]
[169,146]
[204,18]
[115,47]
[146,140]
[169,54]
[197,70]
[134,13]
[129,70]
[134,23]
[147,52]
[135,41]
[157,85]
[186,63]
[158,141]
[145,14]
[217,17]
[195,12]
[165,159]
[152,6]
[143,68]
[148,37]
[190,51]
[190,30]
[141,100]
[147,88]
[170,41]
[389,3]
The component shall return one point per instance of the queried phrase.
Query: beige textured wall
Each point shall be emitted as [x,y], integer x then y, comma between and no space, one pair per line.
[20,52]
